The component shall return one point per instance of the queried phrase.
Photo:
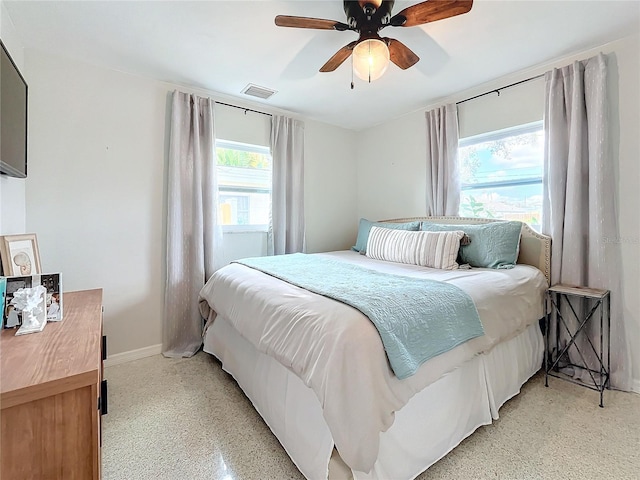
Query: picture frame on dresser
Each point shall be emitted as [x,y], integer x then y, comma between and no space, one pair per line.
[11,318]
[3,294]
[20,255]
[53,283]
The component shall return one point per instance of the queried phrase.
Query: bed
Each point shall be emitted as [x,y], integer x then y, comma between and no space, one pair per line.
[316,370]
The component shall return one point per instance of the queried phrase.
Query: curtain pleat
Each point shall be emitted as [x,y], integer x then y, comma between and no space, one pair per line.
[443,181]
[579,210]
[287,228]
[193,234]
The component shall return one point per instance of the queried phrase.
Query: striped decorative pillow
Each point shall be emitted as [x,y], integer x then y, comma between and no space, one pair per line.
[427,249]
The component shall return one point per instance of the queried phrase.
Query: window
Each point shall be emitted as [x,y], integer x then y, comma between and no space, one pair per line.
[501,174]
[244,186]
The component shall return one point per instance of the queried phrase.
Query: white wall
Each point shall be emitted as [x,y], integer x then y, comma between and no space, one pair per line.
[517,105]
[625,116]
[12,190]
[96,187]
[242,126]
[391,159]
[392,169]
[330,183]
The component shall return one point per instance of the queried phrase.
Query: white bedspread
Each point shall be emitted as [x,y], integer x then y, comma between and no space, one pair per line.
[337,351]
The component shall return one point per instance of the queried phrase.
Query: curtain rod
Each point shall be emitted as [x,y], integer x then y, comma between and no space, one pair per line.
[497,90]
[242,108]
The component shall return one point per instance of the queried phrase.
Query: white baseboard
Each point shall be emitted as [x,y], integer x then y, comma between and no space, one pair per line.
[130,356]
[635,386]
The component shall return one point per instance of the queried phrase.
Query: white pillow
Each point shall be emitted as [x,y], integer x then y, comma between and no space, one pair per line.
[427,249]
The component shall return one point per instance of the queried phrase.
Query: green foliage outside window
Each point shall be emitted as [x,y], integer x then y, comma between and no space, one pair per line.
[238,158]
[470,207]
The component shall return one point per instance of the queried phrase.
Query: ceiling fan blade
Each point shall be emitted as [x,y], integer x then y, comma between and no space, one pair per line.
[338,58]
[400,54]
[430,11]
[306,22]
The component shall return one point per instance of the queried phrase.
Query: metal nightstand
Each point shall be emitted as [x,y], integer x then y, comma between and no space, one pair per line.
[595,300]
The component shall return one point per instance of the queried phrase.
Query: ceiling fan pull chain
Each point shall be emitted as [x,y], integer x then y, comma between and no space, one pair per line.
[369,57]
[351,72]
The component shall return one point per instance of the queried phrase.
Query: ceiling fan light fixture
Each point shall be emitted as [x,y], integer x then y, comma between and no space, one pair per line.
[370,59]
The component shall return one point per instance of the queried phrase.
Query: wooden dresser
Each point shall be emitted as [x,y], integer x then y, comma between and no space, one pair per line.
[50,388]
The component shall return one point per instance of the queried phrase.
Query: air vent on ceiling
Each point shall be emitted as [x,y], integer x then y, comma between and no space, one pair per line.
[258,91]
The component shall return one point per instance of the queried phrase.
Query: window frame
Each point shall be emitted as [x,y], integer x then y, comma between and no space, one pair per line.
[244,147]
[500,135]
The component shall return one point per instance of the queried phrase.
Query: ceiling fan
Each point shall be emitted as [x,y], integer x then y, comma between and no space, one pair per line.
[371,53]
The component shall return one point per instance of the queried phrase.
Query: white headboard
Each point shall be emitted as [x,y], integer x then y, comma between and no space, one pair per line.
[535,248]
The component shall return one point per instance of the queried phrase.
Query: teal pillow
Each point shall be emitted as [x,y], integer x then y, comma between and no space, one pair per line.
[365,227]
[493,245]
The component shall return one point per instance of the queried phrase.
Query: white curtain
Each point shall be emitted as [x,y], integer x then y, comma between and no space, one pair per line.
[443,182]
[286,231]
[193,236]
[579,210]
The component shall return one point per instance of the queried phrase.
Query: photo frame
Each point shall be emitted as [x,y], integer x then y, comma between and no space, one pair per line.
[20,255]
[53,283]
[3,294]
[53,299]
[12,318]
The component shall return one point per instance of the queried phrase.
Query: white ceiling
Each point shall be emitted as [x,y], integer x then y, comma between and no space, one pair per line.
[224,45]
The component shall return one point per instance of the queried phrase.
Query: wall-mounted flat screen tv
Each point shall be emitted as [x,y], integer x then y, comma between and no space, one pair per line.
[13,118]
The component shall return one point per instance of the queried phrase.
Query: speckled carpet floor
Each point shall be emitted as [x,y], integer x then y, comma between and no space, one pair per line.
[187,419]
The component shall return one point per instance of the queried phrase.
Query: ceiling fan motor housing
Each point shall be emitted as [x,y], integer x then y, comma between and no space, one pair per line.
[368,15]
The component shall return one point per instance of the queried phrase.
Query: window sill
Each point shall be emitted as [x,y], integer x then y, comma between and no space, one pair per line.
[233,229]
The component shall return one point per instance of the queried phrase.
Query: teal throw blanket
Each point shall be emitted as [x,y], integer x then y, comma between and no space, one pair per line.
[417,318]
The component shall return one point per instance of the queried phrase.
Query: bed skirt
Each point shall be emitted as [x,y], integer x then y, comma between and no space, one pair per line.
[428,427]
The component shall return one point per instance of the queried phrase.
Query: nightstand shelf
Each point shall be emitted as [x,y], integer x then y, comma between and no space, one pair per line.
[596,301]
